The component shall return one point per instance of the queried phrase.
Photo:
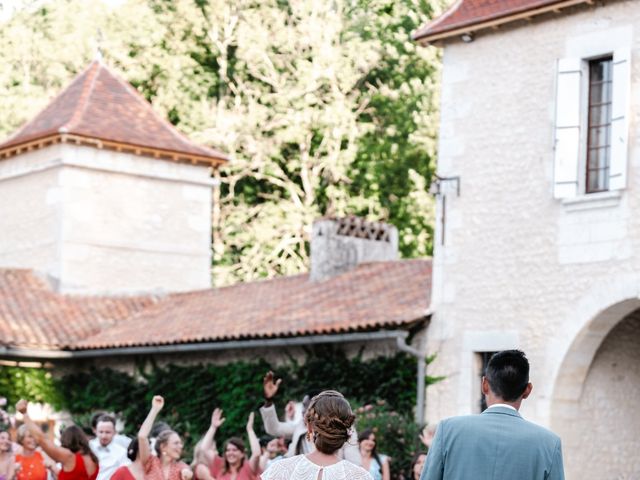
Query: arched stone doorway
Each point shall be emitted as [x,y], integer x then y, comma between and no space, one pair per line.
[596,401]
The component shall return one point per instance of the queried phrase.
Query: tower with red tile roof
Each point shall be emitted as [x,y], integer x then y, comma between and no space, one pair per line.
[102,195]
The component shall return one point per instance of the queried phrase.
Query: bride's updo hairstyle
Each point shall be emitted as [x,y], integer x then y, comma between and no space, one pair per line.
[330,417]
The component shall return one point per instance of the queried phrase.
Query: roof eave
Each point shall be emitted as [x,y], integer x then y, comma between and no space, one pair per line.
[278,342]
[436,38]
[101,143]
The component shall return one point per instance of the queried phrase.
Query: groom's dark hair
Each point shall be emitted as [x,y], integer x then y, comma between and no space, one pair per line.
[508,374]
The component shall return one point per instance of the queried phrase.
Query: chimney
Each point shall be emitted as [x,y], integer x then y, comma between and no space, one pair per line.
[340,244]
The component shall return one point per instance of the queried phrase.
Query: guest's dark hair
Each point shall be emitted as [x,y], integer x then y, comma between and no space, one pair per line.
[508,374]
[239,444]
[132,450]
[415,459]
[95,417]
[330,417]
[161,440]
[75,440]
[105,417]
[364,435]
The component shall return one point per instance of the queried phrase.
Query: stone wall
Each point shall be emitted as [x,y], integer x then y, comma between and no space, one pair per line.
[100,221]
[520,268]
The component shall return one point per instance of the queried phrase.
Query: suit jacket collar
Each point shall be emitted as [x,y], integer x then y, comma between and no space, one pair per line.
[501,411]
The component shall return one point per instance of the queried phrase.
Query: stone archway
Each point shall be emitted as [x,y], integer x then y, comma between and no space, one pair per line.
[594,406]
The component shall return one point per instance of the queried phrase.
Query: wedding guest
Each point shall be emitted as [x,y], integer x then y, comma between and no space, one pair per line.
[233,464]
[121,440]
[33,465]
[296,429]
[417,464]
[135,469]
[200,464]
[166,465]
[272,450]
[329,421]
[111,455]
[7,459]
[75,455]
[373,462]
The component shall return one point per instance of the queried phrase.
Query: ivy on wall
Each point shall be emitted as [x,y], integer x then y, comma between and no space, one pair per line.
[192,391]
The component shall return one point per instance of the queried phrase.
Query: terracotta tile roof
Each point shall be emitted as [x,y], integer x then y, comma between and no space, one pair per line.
[100,109]
[372,296]
[469,15]
[33,316]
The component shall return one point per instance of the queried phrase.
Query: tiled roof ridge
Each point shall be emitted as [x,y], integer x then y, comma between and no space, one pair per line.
[452,9]
[166,124]
[85,95]
[479,14]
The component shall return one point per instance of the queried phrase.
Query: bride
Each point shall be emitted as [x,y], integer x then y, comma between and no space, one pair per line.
[329,419]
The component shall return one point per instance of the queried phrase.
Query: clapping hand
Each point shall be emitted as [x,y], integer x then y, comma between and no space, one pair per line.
[186,474]
[270,386]
[217,419]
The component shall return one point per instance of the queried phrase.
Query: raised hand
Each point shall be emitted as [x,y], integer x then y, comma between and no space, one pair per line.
[21,406]
[270,386]
[186,474]
[157,403]
[217,419]
[426,436]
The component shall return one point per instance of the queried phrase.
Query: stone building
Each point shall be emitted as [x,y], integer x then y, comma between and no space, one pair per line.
[537,244]
[105,252]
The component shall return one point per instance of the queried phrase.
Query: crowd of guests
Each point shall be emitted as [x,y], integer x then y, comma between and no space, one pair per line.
[316,438]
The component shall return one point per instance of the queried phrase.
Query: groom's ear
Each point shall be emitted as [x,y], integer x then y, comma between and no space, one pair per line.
[527,390]
[485,386]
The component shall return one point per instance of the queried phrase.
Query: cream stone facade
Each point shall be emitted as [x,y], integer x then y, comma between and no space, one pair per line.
[106,222]
[519,268]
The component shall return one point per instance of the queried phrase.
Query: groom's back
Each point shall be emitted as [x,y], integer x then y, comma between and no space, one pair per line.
[497,445]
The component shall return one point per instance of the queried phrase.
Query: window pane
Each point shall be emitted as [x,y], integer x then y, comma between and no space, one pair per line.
[599,131]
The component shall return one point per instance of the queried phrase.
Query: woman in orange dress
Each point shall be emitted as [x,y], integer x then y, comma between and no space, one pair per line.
[74,454]
[166,465]
[33,465]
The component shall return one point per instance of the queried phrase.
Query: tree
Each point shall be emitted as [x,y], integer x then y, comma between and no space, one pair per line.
[326,108]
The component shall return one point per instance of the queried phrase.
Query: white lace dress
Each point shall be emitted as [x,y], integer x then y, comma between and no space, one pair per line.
[301,468]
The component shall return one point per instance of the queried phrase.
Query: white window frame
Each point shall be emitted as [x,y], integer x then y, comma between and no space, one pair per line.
[570,161]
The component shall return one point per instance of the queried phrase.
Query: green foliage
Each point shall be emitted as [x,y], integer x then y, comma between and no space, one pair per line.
[326,108]
[33,383]
[192,392]
[396,435]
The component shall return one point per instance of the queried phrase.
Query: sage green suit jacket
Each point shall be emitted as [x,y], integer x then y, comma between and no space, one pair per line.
[498,444]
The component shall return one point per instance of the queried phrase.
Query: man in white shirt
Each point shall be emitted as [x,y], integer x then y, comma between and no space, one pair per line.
[110,455]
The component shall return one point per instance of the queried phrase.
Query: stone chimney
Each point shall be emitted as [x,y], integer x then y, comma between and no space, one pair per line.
[340,244]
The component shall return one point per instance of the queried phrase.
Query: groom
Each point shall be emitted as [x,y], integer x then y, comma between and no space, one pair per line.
[498,444]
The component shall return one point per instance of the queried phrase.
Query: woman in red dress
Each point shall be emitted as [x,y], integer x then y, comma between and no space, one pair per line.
[133,471]
[77,460]
[166,465]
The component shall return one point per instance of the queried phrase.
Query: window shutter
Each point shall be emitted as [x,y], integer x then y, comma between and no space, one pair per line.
[567,129]
[620,119]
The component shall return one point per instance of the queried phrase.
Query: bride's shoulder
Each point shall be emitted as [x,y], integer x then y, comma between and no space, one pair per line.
[281,469]
[356,472]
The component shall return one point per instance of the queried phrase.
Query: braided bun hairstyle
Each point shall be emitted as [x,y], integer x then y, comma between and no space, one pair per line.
[330,417]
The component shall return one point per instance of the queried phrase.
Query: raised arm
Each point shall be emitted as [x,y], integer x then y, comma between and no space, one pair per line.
[254,460]
[60,454]
[272,425]
[208,442]
[144,450]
